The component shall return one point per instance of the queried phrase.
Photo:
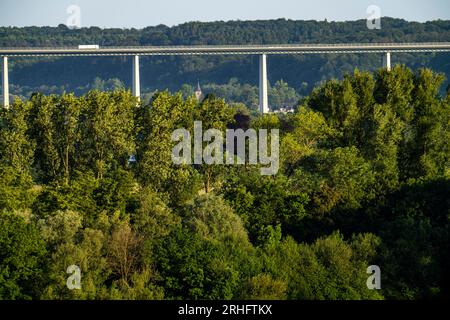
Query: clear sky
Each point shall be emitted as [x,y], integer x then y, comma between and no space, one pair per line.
[142,13]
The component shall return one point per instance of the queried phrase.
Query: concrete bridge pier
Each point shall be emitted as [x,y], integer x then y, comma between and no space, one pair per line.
[5,82]
[387,61]
[136,78]
[263,92]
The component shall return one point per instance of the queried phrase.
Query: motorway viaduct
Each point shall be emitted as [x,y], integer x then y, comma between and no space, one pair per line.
[262,50]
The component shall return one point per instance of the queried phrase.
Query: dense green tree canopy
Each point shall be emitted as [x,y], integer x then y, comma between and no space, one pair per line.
[364,180]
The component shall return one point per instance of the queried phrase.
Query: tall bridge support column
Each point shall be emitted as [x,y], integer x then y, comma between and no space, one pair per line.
[387,61]
[263,92]
[136,78]
[5,82]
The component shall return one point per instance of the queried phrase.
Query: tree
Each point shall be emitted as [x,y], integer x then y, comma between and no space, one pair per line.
[430,148]
[22,252]
[210,217]
[60,227]
[153,219]
[264,287]
[281,95]
[125,251]
[383,148]
[328,269]
[66,125]
[86,252]
[266,121]
[16,157]
[338,103]
[187,91]
[415,229]
[338,178]
[311,131]
[193,268]
[395,88]
[263,201]
[154,146]
[90,181]
[214,113]
[108,130]
[43,131]
[16,150]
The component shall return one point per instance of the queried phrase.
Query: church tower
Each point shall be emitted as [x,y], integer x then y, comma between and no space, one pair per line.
[198,92]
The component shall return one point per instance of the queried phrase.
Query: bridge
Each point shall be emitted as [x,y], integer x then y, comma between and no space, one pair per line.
[262,50]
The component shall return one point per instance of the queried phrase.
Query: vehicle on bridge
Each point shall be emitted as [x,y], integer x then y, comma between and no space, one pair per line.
[88,46]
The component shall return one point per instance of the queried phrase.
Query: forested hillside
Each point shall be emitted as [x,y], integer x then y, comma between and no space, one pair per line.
[364,180]
[301,72]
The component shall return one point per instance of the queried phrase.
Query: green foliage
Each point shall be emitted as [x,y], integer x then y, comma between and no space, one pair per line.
[113,194]
[21,254]
[266,121]
[415,225]
[281,95]
[155,125]
[264,201]
[339,178]
[16,157]
[16,149]
[193,268]
[330,268]
[108,130]
[96,132]
[153,217]
[364,180]
[310,132]
[14,193]
[264,287]
[214,114]
[210,217]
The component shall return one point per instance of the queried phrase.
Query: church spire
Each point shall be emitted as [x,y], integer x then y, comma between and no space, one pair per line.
[198,92]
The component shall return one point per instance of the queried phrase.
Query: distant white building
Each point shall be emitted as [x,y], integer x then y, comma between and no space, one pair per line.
[284,110]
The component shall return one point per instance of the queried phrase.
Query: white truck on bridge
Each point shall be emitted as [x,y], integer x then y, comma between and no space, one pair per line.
[88,46]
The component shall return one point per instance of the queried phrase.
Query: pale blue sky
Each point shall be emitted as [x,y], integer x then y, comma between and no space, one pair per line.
[142,13]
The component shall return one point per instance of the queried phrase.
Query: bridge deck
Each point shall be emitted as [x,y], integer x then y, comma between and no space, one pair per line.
[231,50]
